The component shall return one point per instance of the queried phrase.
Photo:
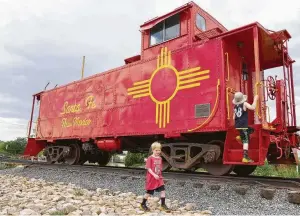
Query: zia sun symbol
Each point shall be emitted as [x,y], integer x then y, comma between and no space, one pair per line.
[155,88]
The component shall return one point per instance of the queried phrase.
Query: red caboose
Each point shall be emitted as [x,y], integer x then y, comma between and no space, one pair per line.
[178,91]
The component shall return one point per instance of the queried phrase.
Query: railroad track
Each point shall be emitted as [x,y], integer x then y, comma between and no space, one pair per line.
[177,176]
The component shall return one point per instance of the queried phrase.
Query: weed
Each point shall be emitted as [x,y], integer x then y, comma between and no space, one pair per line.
[78,192]
[7,165]
[58,213]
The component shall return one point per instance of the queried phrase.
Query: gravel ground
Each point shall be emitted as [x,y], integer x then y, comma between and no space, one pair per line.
[220,202]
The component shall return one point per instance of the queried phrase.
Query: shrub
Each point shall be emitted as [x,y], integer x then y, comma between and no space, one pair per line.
[135,158]
[16,146]
[2,146]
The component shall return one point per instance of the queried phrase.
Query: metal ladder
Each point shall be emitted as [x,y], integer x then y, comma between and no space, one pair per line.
[289,93]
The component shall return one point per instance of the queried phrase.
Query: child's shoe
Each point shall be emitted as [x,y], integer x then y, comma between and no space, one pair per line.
[246,159]
[144,207]
[165,208]
[238,138]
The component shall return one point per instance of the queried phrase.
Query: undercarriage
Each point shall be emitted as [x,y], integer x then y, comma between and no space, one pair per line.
[192,156]
[187,156]
[76,154]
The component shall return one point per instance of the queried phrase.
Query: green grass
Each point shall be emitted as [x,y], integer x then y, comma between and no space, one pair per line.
[58,213]
[3,152]
[8,154]
[7,166]
[286,171]
[137,165]
[78,192]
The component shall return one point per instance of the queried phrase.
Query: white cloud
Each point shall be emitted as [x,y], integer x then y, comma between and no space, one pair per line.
[6,98]
[5,111]
[269,13]
[11,128]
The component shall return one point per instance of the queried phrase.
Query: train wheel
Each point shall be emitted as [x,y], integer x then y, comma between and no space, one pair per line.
[244,170]
[49,161]
[74,155]
[193,169]
[218,168]
[104,158]
[83,157]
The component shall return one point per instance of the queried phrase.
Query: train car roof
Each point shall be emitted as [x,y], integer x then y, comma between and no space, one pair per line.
[152,22]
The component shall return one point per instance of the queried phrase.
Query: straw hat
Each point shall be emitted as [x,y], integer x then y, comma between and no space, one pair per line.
[239,98]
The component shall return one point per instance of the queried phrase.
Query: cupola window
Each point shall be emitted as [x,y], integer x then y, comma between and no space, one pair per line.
[165,30]
[200,22]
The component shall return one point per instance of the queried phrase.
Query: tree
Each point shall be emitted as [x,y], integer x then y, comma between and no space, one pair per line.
[2,146]
[16,146]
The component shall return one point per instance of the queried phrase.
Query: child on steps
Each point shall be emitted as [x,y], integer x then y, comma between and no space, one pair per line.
[240,115]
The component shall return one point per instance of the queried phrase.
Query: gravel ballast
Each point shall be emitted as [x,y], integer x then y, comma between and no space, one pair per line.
[223,199]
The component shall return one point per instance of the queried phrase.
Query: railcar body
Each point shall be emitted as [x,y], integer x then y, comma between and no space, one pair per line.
[178,91]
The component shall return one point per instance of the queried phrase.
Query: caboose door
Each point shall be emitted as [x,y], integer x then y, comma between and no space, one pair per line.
[246,85]
[243,73]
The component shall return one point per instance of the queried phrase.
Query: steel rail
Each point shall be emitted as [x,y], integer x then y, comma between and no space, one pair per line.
[264,181]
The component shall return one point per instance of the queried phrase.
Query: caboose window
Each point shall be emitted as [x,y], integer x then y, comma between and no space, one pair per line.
[245,71]
[172,27]
[157,34]
[200,22]
[165,30]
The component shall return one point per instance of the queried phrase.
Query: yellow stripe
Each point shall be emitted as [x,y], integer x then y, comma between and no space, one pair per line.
[189,86]
[141,95]
[141,82]
[193,80]
[156,114]
[138,87]
[137,92]
[165,114]
[166,55]
[189,70]
[160,113]
[194,74]
[162,56]
[169,58]
[168,112]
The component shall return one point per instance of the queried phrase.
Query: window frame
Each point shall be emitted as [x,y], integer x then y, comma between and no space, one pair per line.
[164,31]
[205,26]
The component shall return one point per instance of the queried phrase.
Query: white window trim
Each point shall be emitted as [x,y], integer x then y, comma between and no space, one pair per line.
[198,14]
[164,34]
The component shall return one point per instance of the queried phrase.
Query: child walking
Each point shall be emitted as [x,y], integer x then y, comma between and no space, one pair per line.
[240,115]
[154,179]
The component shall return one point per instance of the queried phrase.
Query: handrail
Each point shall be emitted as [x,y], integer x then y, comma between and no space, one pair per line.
[227,61]
[217,101]
[268,109]
[27,129]
[231,90]
[227,103]
[257,105]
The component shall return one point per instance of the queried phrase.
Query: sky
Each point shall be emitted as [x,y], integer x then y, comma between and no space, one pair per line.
[44,41]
